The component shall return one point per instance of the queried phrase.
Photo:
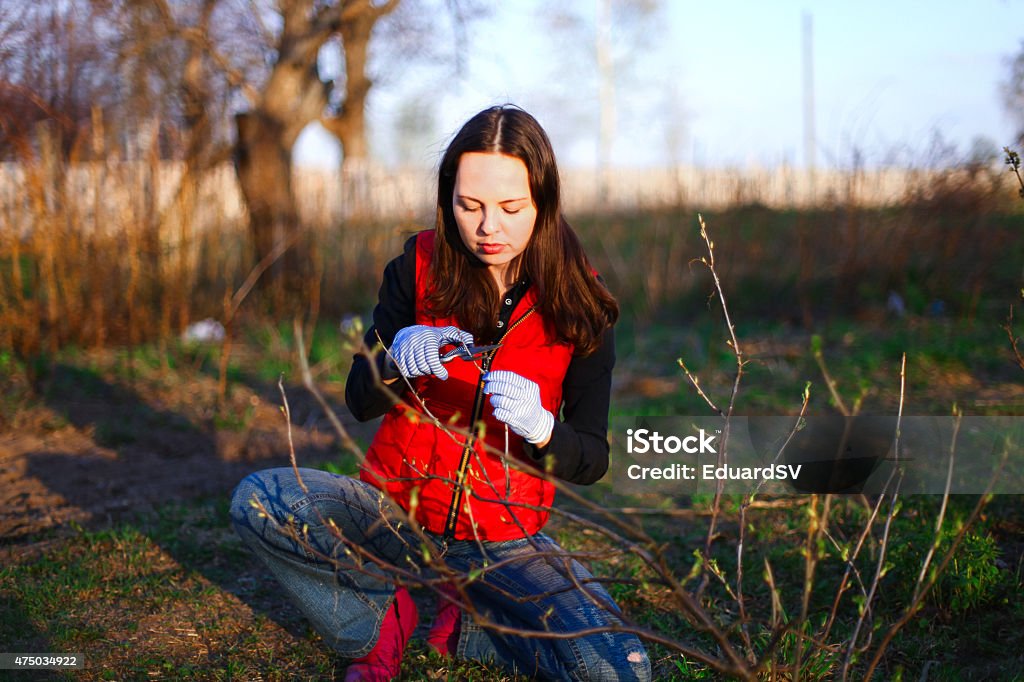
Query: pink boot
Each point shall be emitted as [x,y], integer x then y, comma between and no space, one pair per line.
[384,662]
[444,633]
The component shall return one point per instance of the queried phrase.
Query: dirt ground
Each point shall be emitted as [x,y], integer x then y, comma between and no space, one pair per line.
[96,449]
[89,448]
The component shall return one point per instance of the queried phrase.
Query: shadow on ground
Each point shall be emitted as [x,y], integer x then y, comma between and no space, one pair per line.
[121,457]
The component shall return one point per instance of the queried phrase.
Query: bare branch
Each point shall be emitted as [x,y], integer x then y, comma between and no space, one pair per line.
[744,506]
[895,478]
[307,381]
[709,262]
[1014,340]
[695,382]
[918,600]
[819,358]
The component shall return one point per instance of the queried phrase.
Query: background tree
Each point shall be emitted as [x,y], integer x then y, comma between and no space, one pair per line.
[194,81]
[1013,93]
[54,68]
[184,63]
[348,122]
[296,92]
[294,95]
[150,68]
[607,42]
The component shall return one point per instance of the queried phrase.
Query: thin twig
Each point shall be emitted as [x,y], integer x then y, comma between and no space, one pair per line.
[1014,340]
[695,382]
[915,606]
[897,474]
[709,262]
[307,381]
[830,383]
[234,302]
[747,502]
[286,410]
[937,540]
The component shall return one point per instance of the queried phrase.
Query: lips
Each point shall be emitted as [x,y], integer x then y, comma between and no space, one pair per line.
[492,249]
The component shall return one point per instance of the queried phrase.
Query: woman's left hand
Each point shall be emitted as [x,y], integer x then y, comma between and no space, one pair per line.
[516,401]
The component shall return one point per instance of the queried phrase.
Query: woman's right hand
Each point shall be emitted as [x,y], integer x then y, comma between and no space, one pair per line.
[416,350]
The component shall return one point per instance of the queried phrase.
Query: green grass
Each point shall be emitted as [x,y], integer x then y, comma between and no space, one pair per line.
[94,591]
[330,351]
[124,595]
[99,592]
[108,591]
[811,265]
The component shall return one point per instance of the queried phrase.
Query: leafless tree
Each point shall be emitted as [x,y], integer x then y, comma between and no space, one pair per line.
[296,93]
[618,30]
[155,67]
[54,68]
[1013,92]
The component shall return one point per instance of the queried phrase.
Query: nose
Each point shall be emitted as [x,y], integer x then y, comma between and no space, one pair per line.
[489,222]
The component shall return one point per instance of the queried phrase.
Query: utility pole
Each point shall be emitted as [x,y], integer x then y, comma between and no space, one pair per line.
[810,152]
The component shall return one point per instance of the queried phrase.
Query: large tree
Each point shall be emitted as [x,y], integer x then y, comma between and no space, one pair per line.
[175,70]
[293,96]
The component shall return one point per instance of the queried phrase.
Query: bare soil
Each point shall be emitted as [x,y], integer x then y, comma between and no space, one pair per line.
[98,446]
[88,447]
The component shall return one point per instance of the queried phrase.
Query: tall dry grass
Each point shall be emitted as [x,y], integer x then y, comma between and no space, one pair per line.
[117,251]
[124,252]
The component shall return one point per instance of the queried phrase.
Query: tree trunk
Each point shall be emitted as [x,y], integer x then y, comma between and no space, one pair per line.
[293,97]
[263,163]
[349,125]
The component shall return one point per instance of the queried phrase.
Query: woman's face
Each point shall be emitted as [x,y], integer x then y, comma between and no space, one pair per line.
[494,210]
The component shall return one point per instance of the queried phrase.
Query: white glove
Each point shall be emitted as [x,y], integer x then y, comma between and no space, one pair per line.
[516,401]
[416,352]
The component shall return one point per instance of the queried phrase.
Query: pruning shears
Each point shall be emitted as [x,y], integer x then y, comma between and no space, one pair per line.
[468,352]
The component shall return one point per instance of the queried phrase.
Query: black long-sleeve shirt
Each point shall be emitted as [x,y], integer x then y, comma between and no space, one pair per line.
[579,440]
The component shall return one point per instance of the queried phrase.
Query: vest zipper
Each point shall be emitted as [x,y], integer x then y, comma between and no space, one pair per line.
[467,449]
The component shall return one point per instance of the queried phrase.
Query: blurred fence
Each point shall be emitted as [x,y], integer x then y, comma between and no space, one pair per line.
[142,192]
[722,188]
[122,252]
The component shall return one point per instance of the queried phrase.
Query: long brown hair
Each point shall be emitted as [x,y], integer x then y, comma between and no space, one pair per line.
[570,297]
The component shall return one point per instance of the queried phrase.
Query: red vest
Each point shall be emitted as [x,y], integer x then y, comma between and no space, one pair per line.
[418,464]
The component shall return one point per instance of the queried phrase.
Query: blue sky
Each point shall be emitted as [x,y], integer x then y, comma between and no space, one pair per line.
[720,84]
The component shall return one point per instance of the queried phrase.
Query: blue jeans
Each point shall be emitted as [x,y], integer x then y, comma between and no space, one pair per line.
[345,595]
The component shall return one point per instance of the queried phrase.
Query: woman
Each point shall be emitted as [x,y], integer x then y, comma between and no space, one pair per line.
[454,474]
